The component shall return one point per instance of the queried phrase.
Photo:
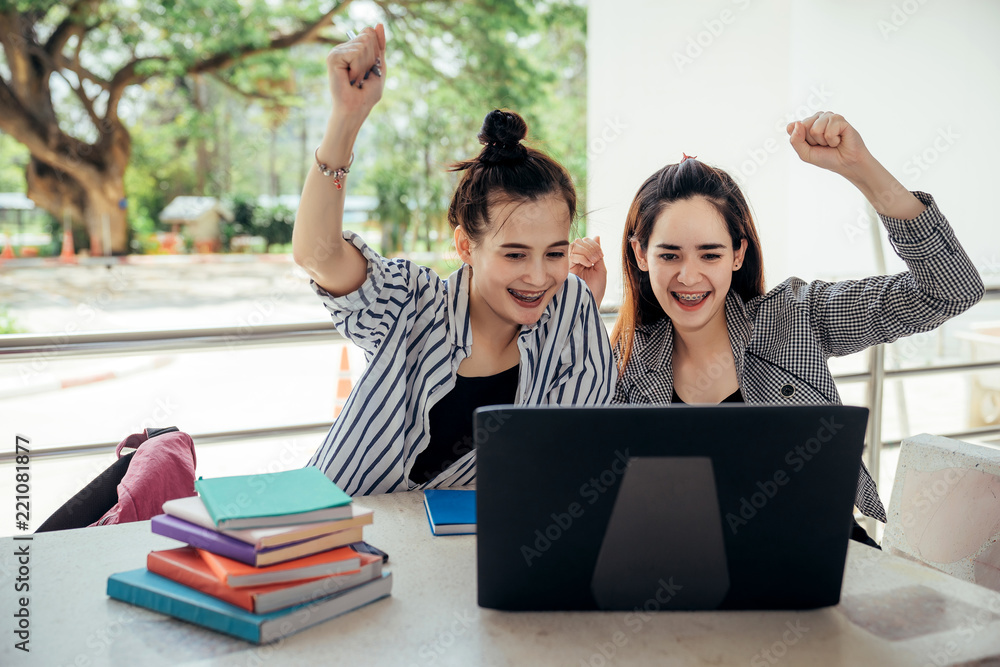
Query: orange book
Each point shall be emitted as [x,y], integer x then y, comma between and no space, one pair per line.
[236,574]
[187,567]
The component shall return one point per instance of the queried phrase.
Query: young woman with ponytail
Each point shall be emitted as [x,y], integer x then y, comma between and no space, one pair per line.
[696,324]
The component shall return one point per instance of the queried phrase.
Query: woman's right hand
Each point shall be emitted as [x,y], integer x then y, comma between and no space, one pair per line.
[356,71]
[318,245]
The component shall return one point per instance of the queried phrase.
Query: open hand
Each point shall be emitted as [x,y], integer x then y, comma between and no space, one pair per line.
[586,259]
[356,70]
[827,140]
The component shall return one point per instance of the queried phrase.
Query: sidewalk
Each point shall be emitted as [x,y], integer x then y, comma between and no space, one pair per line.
[26,384]
[157,292]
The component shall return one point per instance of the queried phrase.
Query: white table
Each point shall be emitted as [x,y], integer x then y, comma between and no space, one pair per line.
[892,612]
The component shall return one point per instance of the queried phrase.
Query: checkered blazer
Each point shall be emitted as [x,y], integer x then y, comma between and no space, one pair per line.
[781,340]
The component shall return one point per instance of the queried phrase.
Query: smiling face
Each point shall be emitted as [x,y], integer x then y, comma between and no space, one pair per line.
[520,262]
[690,260]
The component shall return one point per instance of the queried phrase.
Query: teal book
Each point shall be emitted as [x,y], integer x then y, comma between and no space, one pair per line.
[303,495]
[451,511]
[151,591]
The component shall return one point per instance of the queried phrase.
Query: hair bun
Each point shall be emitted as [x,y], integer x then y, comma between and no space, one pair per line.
[501,137]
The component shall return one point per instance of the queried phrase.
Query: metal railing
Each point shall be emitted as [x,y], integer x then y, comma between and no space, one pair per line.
[71,345]
[62,346]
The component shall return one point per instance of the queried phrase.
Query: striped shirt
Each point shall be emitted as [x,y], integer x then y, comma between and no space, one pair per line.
[781,340]
[414,329]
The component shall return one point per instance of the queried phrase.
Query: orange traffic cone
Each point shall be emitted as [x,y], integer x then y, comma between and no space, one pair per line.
[67,256]
[8,251]
[343,382]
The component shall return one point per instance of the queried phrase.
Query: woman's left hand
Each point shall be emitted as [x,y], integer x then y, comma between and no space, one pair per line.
[827,140]
[586,259]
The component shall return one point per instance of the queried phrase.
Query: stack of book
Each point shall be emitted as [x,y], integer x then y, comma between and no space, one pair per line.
[260,549]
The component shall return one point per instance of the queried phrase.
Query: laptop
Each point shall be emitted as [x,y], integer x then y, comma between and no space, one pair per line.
[651,508]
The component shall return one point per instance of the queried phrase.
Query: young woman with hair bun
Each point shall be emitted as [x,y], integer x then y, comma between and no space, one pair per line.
[509,326]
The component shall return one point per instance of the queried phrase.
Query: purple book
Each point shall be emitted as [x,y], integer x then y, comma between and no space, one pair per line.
[223,545]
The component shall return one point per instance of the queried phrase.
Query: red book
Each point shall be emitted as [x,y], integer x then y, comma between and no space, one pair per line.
[236,574]
[186,566]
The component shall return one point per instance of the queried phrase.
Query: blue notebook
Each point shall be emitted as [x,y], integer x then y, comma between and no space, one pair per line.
[145,589]
[451,511]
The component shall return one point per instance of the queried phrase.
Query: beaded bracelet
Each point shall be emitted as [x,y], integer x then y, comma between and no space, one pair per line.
[338,173]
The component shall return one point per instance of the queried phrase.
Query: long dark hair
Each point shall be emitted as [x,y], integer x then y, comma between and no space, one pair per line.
[675,182]
[505,170]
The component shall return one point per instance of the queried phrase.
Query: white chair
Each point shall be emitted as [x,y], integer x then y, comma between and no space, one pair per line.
[945,508]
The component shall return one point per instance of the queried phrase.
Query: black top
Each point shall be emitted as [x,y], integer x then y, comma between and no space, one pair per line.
[735,397]
[451,420]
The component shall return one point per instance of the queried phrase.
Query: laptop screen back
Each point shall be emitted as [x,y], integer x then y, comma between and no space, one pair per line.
[684,507]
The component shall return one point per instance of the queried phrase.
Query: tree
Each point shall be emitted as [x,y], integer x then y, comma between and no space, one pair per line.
[528,58]
[84,84]
[95,51]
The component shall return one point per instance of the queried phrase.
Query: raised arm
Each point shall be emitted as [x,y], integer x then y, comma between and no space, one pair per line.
[827,140]
[356,71]
[941,280]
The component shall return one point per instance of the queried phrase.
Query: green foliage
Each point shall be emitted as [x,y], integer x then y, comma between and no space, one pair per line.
[249,125]
[393,210]
[7,323]
[243,209]
[274,224]
[13,159]
[473,57]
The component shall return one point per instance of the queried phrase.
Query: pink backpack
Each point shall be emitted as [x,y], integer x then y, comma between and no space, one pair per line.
[161,469]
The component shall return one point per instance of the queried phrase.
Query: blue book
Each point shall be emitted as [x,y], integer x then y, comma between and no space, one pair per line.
[451,511]
[145,589]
